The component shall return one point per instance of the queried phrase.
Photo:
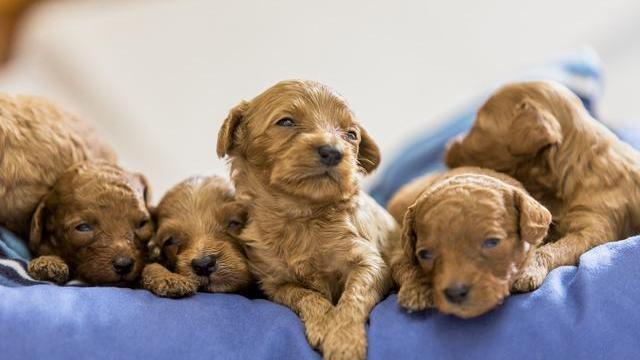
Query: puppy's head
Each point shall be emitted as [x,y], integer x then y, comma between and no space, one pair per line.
[302,139]
[470,235]
[519,123]
[96,219]
[198,223]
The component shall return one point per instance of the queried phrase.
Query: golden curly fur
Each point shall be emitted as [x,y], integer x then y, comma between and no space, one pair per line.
[315,242]
[465,235]
[541,134]
[198,222]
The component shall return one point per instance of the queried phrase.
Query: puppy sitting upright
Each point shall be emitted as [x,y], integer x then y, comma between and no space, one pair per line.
[198,221]
[540,133]
[465,236]
[315,242]
[85,217]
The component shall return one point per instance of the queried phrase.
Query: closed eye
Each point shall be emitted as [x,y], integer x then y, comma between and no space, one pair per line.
[490,243]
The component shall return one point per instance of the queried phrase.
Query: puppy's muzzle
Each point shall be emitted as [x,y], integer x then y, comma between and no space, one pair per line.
[204,266]
[457,293]
[329,155]
[122,265]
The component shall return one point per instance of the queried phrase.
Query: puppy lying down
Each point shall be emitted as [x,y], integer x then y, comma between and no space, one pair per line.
[541,134]
[85,217]
[315,242]
[198,221]
[465,236]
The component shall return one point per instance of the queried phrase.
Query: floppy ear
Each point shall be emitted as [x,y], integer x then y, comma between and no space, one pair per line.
[532,130]
[154,249]
[146,191]
[408,238]
[227,134]
[535,219]
[453,152]
[368,152]
[37,226]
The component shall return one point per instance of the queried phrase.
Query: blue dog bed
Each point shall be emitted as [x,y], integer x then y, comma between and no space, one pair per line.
[587,312]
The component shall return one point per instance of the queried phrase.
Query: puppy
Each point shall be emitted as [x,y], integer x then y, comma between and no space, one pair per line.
[315,242]
[466,234]
[198,223]
[93,225]
[85,217]
[539,133]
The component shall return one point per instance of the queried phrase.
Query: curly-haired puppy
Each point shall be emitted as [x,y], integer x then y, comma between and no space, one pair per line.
[198,223]
[87,220]
[315,241]
[540,133]
[465,236]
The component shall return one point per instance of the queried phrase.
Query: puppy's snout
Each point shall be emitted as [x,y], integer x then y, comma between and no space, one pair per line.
[204,266]
[122,265]
[329,155]
[456,293]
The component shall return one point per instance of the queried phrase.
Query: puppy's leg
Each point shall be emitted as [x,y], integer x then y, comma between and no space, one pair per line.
[162,282]
[415,292]
[365,286]
[309,305]
[49,268]
[583,231]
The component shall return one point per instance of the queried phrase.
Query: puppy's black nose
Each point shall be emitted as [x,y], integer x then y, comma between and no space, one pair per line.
[122,265]
[204,266]
[329,155]
[456,293]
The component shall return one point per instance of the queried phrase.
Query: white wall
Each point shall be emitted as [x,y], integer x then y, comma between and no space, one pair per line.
[157,77]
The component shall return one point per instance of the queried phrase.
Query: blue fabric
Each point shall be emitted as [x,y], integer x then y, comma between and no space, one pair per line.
[586,312]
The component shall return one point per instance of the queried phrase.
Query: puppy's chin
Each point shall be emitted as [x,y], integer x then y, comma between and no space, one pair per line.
[104,274]
[483,299]
[315,183]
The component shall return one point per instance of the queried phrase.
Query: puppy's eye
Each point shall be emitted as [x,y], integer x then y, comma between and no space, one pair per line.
[490,243]
[84,227]
[234,225]
[425,254]
[352,135]
[286,122]
[170,242]
[142,223]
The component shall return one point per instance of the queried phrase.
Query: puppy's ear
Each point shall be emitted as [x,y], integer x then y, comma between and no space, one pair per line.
[38,221]
[534,220]
[227,133]
[453,153]
[408,238]
[146,191]
[532,130]
[368,152]
[236,218]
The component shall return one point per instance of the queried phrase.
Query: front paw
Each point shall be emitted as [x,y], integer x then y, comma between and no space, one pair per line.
[168,284]
[530,278]
[49,268]
[345,341]
[415,297]
[316,330]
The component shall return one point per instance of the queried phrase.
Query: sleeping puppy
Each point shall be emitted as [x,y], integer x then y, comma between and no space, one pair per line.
[315,242]
[198,221]
[539,133]
[93,225]
[465,236]
[85,220]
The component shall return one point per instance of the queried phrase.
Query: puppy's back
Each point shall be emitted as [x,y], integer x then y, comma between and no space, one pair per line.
[39,141]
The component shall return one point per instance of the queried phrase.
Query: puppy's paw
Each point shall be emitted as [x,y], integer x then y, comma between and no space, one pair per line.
[345,341]
[316,330]
[164,283]
[49,268]
[415,297]
[530,278]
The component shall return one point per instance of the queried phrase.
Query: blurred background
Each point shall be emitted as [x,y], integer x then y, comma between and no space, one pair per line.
[157,77]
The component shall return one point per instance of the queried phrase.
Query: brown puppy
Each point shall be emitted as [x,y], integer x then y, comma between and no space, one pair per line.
[86,220]
[93,225]
[315,242]
[466,233]
[540,133]
[198,221]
